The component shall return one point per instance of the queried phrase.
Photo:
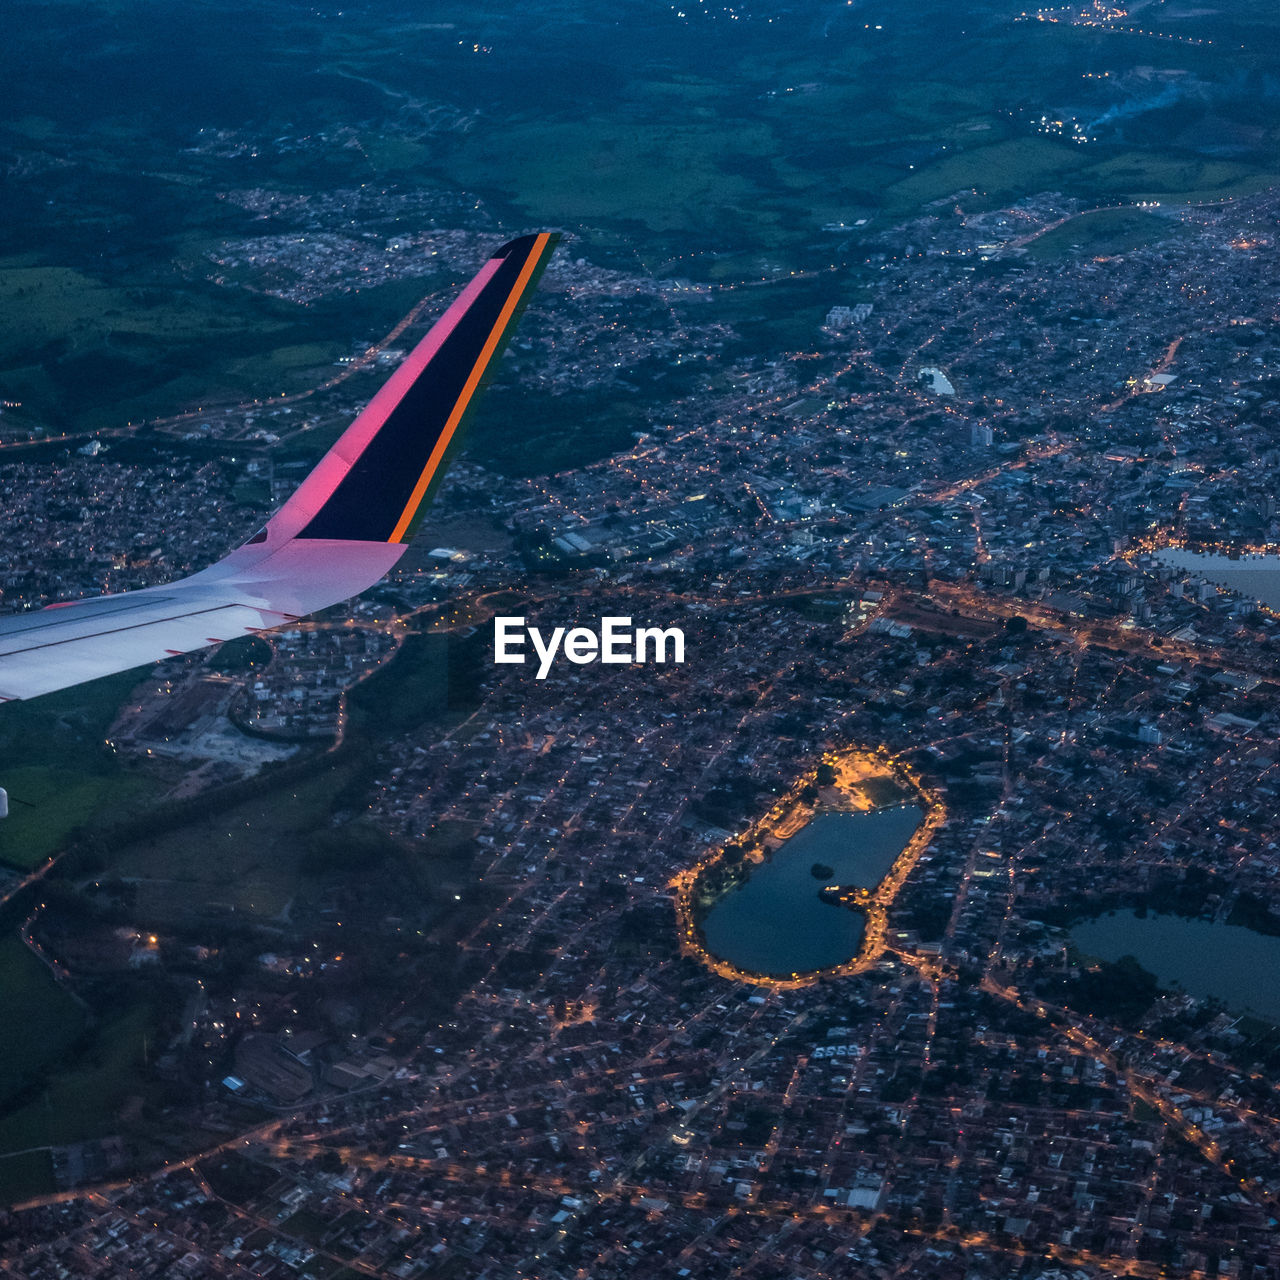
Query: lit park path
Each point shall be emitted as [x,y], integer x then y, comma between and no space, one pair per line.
[788,814]
[15,887]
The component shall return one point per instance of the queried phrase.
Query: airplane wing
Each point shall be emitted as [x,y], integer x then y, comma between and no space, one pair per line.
[340,532]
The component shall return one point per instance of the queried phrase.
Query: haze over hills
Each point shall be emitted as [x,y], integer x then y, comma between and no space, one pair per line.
[163,168]
[918,365]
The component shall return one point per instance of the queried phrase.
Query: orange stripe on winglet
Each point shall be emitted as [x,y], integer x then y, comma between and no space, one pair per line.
[473,381]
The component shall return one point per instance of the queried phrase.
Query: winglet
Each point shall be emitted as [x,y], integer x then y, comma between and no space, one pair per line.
[342,530]
[377,481]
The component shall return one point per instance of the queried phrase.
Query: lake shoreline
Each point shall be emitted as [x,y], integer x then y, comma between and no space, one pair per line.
[1205,959]
[854,780]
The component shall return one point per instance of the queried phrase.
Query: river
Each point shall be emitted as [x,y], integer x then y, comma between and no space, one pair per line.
[1236,965]
[776,923]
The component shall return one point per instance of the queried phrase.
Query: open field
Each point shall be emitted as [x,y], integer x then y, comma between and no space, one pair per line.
[59,771]
[85,1102]
[244,861]
[65,728]
[669,176]
[93,354]
[25,1174]
[39,1022]
[48,804]
[1102,232]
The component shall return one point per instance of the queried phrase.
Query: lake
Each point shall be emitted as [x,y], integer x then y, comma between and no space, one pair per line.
[776,922]
[1236,965]
[1257,577]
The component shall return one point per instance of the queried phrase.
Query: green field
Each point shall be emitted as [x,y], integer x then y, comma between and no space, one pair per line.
[49,805]
[1103,232]
[55,301]
[243,861]
[25,1175]
[96,354]
[85,1101]
[59,771]
[39,1022]
[65,729]
[669,176]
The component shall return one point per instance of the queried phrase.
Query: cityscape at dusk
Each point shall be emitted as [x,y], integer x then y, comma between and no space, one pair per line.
[802,804]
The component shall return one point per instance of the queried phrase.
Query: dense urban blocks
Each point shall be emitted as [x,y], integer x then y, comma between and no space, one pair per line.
[445,900]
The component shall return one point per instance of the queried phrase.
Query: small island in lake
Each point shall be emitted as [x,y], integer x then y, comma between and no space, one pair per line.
[751,918]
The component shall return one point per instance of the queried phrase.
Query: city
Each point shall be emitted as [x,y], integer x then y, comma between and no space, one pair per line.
[347,950]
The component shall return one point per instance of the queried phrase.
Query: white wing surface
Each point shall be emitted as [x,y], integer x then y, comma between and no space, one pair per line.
[341,531]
